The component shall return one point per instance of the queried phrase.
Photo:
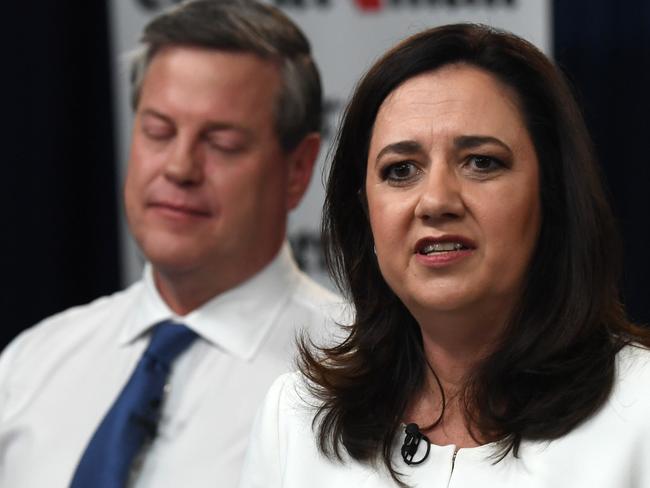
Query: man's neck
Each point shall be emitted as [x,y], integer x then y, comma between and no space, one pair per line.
[186,290]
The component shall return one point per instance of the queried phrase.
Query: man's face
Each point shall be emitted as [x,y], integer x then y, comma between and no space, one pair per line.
[208,186]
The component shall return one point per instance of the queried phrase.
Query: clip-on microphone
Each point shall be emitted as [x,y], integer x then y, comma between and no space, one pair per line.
[411,443]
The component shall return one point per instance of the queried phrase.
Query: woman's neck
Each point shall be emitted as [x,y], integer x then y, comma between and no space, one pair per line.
[440,414]
[453,352]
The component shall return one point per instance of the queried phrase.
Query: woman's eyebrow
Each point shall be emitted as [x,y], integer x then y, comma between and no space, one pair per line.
[401,147]
[409,147]
[473,141]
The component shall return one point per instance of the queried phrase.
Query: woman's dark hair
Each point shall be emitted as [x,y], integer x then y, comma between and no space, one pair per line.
[554,365]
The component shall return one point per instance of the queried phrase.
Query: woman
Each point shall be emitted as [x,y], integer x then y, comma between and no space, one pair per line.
[466,220]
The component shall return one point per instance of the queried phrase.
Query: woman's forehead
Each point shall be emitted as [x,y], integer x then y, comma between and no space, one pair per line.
[456,100]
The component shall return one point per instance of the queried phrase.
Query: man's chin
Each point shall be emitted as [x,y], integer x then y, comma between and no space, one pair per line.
[175,260]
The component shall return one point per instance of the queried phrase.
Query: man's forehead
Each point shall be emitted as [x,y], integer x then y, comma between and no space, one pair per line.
[206,72]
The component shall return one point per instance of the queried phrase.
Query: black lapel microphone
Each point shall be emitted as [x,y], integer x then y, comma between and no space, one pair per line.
[411,443]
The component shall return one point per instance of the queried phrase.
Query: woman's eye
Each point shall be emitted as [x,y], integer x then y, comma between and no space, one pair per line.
[484,164]
[399,172]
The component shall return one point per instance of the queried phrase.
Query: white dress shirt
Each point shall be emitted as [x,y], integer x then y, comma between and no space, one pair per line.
[611,449]
[59,378]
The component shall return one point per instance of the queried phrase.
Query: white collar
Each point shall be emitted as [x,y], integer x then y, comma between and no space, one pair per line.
[236,320]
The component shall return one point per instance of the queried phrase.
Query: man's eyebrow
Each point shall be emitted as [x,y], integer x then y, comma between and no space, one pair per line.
[404,148]
[154,113]
[473,141]
[218,126]
[209,126]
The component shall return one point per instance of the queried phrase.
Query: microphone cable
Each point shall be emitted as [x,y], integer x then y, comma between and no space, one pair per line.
[415,435]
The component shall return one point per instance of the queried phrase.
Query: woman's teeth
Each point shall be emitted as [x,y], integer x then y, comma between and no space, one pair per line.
[441,247]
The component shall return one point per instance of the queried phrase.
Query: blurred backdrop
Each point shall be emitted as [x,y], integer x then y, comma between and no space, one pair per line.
[68,123]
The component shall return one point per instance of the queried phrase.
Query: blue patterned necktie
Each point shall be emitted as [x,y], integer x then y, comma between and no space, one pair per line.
[134,416]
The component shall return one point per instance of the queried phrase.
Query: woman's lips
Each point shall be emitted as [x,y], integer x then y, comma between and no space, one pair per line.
[443,250]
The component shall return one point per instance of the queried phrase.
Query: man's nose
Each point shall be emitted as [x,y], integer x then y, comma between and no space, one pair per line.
[183,165]
[441,196]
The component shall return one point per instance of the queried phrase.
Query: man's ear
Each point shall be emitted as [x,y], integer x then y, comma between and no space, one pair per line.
[301,161]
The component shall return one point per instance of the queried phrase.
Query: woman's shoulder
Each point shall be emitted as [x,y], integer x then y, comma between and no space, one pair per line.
[291,391]
[632,385]
[287,413]
[633,365]
[283,449]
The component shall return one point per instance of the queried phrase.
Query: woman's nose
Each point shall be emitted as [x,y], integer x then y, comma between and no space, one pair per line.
[441,196]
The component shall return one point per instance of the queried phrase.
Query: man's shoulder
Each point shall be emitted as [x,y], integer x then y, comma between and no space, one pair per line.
[94,312]
[317,300]
[313,295]
[71,324]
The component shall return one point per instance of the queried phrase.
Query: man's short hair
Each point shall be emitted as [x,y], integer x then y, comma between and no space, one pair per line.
[249,27]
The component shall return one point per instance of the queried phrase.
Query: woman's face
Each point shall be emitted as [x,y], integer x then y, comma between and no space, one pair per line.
[453,194]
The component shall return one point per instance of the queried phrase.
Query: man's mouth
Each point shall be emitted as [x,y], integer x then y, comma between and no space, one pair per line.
[180,208]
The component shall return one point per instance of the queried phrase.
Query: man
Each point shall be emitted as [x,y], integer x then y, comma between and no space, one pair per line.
[227,108]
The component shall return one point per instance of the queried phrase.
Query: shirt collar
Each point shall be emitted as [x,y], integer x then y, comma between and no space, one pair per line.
[236,321]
